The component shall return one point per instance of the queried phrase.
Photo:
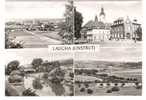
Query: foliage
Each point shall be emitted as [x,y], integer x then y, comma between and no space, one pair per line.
[86,85]
[82,89]
[13,65]
[71,75]
[138,32]
[37,84]
[115,88]
[139,87]
[109,91]
[67,31]
[29,92]
[89,91]
[78,20]
[11,43]
[58,74]
[36,63]
[15,79]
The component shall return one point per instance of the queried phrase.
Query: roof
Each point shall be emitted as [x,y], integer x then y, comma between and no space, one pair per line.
[94,24]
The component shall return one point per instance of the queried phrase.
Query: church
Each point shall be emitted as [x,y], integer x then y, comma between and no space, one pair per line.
[98,30]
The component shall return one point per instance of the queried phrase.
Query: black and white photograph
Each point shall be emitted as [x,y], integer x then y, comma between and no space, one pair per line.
[117,72]
[109,23]
[36,24]
[73,48]
[35,73]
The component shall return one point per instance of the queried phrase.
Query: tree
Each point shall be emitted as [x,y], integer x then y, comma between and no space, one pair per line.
[138,33]
[67,27]
[36,63]
[13,65]
[56,64]
[37,84]
[29,92]
[78,20]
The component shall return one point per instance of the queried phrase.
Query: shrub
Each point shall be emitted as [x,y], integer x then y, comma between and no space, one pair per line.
[116,84]
[109,91]
[137,83]
[89,91]
[13,65]
[15,78]
[36,62]
[101,84]
[55,80]
[115,88]
[86,85]
[123,84]
[37,84]
[108,84]
[82,89]
[71,75]
[29,92]
[139,87]
[96,81]
[71,94]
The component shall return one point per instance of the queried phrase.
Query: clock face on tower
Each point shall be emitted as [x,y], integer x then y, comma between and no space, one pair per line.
[127,21]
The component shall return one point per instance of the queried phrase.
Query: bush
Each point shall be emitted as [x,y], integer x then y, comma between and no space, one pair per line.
[116,84]
[86,85]
[101,84]
[13,65]
[115,88]
[37,84]
[36,62]
[137,83]
[109,91]
[29,92]
[71,94]
[123,84]
[139,87]
[89,91]
[108,84]
[82,89]
[15,79]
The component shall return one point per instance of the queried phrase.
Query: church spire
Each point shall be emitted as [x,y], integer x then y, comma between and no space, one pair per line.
[102,11]
[96,18]
[102,15]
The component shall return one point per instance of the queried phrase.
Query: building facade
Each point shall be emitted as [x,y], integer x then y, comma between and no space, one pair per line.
[124,29]
[98,30]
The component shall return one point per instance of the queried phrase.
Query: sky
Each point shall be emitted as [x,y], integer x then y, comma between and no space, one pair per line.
[113,54]
[53,9]
[25,9]
[26,56]
[113,10]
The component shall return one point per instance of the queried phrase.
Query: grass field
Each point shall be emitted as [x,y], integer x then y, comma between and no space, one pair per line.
[98,91]
[36,40]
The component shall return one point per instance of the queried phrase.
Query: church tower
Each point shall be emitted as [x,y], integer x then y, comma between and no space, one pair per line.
[102,15]
[96,19]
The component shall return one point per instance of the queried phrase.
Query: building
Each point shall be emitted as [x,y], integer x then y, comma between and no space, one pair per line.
[97,30]
[124,29]
[102,15]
